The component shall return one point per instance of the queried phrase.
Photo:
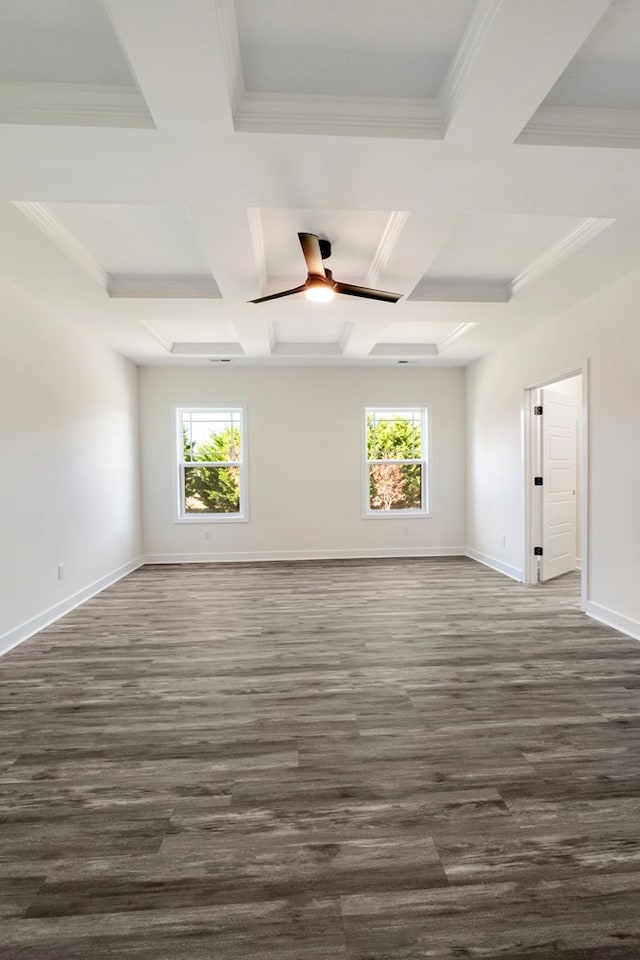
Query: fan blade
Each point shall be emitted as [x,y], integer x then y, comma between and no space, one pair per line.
[367,292]
[312,254]
[284,293]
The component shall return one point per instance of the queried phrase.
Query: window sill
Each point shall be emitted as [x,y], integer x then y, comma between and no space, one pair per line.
[213,518]
[397,515]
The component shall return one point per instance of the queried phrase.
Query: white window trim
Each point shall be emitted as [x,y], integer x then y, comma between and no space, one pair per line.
[178,472]
[425,511]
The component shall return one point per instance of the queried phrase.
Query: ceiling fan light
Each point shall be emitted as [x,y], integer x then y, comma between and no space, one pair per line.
[319,292]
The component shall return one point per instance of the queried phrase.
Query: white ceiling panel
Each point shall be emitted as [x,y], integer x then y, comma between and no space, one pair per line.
[134,239]
[60,41]
[498,247]
[369,48]
[605,73]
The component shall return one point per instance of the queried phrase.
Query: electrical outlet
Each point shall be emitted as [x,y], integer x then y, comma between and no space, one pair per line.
[207,534]
[61,571]
[405,531]
[503,541]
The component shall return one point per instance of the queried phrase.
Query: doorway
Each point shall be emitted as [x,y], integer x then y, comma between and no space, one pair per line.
[556,479]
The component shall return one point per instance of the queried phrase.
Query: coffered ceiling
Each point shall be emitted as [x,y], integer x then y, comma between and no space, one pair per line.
[159,157]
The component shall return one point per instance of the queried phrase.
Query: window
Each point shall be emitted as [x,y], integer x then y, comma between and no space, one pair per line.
[396,461]
[211,471]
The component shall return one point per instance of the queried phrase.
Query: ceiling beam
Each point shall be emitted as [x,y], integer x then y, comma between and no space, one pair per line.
[53,228]
[415,249]
[255,335]
[230,244]
[361,336]
[509,58]
[159,33]
[394,227]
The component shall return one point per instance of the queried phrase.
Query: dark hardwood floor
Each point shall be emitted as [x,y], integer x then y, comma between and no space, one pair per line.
[353,760]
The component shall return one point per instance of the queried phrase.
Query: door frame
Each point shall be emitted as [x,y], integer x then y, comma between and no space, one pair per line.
[529,432]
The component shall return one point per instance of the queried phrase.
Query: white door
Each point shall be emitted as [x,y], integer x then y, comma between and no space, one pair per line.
[558,484]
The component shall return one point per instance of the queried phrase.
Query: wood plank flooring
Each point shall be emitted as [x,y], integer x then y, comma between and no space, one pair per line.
[336,760]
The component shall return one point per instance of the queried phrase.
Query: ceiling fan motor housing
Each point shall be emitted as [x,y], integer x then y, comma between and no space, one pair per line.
[325,248]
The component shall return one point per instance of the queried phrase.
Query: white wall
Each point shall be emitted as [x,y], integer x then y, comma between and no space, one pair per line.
[606,330]
[69,484]
[305,462]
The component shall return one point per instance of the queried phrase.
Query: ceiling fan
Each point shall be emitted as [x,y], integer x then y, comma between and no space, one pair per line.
[320,284]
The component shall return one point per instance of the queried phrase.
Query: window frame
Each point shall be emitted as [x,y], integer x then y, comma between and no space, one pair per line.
[180,516]
[405,513]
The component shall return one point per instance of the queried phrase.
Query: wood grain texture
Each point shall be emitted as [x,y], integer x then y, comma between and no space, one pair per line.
[355,760]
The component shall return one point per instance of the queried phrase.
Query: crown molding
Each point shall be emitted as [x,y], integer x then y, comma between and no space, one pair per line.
[461,290]
[162,287]
[52,227]
[583,127]
[73,104]
[231,57]
[339,116]
[204,349]
[565,247]
[478,28]
[164,342]
[404,350]
[193,349]
[459,331]
[393,229]
[311,349]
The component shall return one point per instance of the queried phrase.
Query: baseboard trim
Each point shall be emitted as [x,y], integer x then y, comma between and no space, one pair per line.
[611,618]
[271,555]
[513,572]
[27,629]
